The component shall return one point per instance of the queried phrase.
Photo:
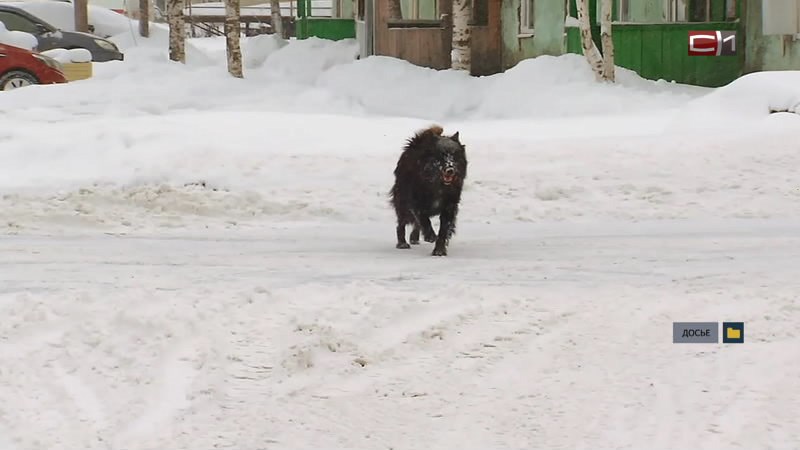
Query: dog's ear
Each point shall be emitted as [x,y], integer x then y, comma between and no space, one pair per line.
[455,137]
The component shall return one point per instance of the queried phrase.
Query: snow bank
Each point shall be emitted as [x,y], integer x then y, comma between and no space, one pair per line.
[255,49]
[316,75]
[65,56]
[153,142]
[306,60]
[542,87]
[17,38]
[743,103]
[321,76]
[62,16]
[185,169]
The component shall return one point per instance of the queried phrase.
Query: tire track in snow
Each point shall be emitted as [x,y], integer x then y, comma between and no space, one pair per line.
[247,379]
[89,411]
[167,398]
[468,335]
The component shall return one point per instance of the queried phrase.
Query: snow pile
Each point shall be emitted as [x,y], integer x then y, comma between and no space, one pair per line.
[255,49]
[62,16]
[316,75]
[17,38]
[542,87]
[743,103]
[305,61]
[65,56]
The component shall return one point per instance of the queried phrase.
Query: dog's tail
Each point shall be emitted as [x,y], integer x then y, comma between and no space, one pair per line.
[421,137]
[435,129]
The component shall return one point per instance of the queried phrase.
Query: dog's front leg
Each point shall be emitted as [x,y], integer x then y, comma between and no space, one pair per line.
[447,222]
[427,228]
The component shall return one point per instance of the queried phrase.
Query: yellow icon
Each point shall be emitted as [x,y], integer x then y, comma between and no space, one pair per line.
[733,333]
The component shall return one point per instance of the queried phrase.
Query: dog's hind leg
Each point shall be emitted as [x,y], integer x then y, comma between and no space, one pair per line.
[414,238]
[427,229]
[401,236]
[402,220]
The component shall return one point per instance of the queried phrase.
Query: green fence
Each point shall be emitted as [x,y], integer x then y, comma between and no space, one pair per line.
[326,28]
[322,27]
[660,51]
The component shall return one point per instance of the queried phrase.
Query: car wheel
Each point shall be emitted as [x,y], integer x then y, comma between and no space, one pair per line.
[16,79]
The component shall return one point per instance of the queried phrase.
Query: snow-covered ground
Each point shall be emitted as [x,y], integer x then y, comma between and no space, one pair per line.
[192,261]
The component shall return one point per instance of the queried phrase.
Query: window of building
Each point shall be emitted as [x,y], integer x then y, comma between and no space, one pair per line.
[699,11]
[730,9]
[624,11]
[695,10]
[420,9]
[480,12]
[527,18]
[675,10]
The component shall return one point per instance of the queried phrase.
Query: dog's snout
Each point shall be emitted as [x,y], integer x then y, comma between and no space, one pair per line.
[449,171]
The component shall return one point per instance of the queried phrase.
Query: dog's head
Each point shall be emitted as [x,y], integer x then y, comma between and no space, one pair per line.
[446,161]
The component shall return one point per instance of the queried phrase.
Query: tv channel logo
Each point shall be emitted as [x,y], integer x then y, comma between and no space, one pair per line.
[712,43]
[733,332]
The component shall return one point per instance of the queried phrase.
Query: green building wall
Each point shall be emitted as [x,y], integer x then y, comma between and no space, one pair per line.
[645,43]
[767,52]
[548,38]
[341,26]
[656,49]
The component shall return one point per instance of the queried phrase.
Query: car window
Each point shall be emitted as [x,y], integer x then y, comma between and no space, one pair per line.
[15,22]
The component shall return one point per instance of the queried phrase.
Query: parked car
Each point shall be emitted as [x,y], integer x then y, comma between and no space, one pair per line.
[50,37]
[20,67]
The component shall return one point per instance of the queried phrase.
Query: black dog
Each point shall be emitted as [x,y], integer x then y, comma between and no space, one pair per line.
[428,180]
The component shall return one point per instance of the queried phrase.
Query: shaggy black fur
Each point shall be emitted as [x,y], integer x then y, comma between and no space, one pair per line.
[429,178]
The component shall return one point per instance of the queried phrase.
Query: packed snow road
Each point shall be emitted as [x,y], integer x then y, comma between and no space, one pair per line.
[314,336]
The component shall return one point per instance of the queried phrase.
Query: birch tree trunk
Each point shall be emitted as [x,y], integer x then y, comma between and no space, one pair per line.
[233,31]
[607,41]
[277,19]
[144,18]
[460,57]
[177,32]
[394,9]
[589,49]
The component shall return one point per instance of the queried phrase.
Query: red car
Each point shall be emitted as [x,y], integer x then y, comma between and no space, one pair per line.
[20,67]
